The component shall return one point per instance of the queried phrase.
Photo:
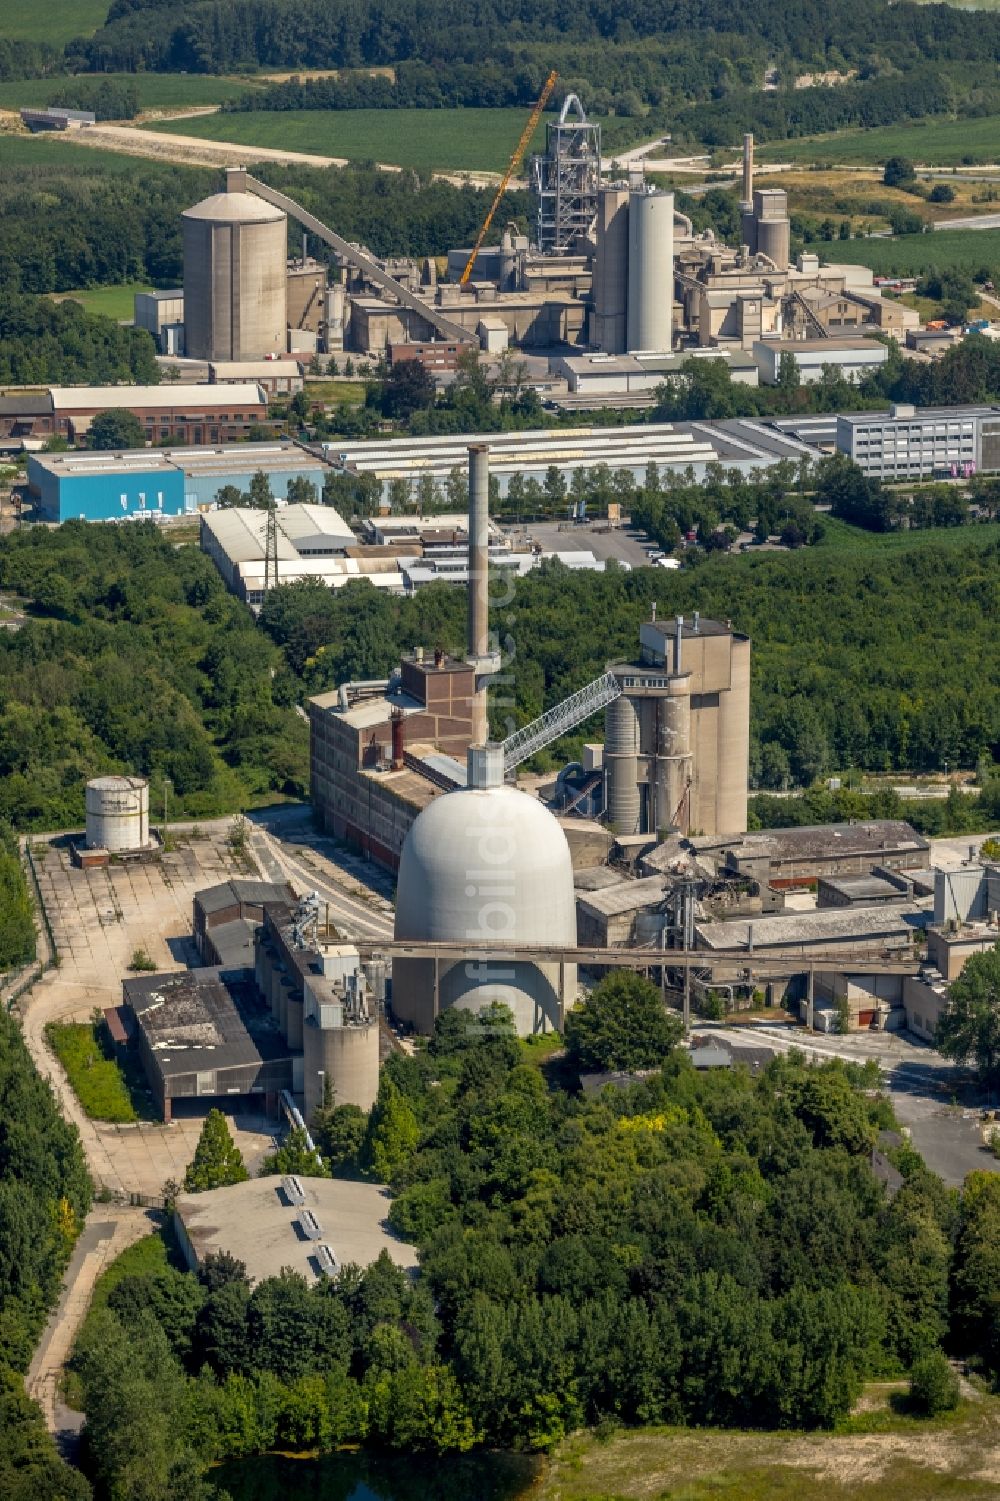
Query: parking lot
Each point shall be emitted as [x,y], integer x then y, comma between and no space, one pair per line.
[620,543]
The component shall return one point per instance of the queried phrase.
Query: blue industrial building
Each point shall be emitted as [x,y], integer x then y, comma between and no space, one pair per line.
[151,483]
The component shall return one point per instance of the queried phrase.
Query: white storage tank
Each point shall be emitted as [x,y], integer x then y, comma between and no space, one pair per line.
[117,814]
[650,271]
[485,862]
[235,281]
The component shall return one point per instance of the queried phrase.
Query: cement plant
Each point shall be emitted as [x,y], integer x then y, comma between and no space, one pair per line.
[508,904]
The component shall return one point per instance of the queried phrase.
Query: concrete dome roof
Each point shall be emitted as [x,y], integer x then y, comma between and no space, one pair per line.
[234,208]
[486,862]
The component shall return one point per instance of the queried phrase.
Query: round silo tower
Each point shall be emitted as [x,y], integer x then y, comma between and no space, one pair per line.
[235,255]
[491,863]
[650,270]
[117,813]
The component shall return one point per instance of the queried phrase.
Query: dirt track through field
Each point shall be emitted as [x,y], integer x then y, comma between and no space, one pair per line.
[194,151]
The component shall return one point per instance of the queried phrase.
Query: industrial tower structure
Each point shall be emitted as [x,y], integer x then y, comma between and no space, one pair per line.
[566,179]
[677,738]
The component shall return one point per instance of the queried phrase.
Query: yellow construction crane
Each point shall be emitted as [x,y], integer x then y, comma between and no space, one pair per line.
[512,166]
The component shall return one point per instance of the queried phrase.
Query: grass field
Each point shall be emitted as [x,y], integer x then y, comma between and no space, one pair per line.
[106,1092]
[456,139]
[931,142]
[890,1459]
[53,21]
[155,90]
[909,255]
[113,302]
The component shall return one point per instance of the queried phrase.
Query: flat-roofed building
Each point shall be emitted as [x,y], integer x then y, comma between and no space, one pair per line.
[368,789]
[789,857]
[909,442]
[98,485]
[202,1034]
[675,448]
[617,375]
[276,377]
[605,918]
[161,313]
[851,358]
[261,1224]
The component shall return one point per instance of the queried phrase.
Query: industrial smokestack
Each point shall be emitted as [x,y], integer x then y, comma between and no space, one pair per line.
[479,562]
[678,639]
[748,168]
[398,740]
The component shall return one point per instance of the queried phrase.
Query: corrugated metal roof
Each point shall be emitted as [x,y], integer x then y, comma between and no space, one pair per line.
[839,925]
[627,896]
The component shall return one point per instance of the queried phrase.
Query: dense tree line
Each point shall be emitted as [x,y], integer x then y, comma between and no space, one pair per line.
[17,924]
[59,343]
[582,1259]
[44,1198]
[109,99]
[201,37]
[135,658]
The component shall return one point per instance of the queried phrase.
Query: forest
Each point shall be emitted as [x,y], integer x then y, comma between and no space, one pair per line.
[222,37]
[58,343]
[44,1198]
[135,658]
[584,1260]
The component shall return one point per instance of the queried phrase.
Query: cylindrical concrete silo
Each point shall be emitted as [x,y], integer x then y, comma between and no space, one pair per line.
[117,813]
[235,256]
[673,753]
[774,241]
[486,864]
[621,765]
[343,1054]
[610,326]
[650,271]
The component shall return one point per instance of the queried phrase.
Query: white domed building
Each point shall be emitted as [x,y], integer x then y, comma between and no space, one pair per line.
[486,863]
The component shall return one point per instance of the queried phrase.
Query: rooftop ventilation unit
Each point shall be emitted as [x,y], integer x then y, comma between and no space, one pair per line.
[327,1260]
[310,1225]
[293,1190]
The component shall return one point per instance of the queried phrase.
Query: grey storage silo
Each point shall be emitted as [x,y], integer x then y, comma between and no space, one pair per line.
[650,271]
[235,256]
[610,293]
[117,813]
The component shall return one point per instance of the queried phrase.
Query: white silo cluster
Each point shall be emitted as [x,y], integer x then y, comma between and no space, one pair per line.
[117,814]
[634,271]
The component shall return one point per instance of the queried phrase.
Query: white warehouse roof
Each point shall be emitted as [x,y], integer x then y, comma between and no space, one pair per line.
[238,532]
[157,397]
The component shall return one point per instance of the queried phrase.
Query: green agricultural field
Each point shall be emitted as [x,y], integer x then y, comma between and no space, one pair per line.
[427,139]
[932,142]
[58,151]
[106,1092]
[909,255]
[53,21]
[113,302]
[155,90]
